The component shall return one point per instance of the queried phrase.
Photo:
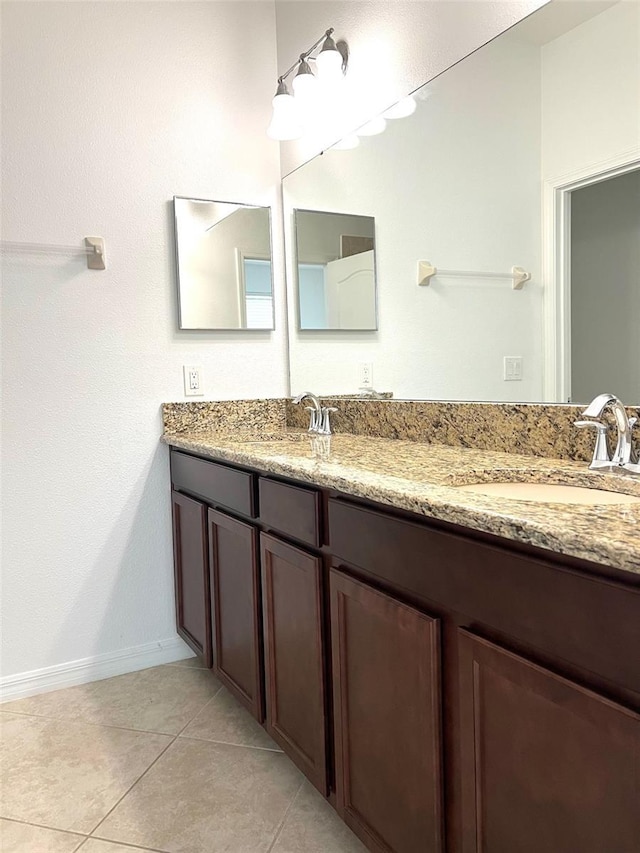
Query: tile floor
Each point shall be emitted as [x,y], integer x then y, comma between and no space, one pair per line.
[159,760]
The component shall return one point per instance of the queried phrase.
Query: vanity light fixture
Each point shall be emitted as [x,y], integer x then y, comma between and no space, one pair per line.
[331,65]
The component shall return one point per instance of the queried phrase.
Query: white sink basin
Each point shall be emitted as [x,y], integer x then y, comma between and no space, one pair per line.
[546,493]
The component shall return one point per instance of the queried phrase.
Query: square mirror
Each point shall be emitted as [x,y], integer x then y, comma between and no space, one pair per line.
[223,260]
[336,278]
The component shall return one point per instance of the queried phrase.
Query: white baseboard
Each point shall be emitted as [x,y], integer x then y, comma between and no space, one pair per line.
[93,668]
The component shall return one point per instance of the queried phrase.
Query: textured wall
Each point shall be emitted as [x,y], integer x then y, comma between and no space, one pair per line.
[109,109]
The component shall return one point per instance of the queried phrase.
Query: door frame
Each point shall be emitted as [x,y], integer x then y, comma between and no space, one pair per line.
[556,259]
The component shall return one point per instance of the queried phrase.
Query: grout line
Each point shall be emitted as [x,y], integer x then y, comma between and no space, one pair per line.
[284,817]
[127,844]
[131,787]
[4,710]
[128,791]
[44,826]
[94,725]
[230,743]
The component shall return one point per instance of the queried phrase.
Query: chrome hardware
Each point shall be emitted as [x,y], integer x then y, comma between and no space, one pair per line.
[325,424]
[623,460]
[314,422]
[600,451]
[319,423]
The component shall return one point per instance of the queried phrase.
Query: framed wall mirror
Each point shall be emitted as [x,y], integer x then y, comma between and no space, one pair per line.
[223,261]
[335,271]
[525,154]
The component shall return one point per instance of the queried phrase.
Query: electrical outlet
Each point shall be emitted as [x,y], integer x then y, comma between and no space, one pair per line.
[366,374]
[192,381]
[512,368]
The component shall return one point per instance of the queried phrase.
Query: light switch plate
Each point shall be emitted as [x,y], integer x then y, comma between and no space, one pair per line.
[512,368]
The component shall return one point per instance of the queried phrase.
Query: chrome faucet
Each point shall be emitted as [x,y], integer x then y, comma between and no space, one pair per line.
[320,422]
[622,460]
[315,409]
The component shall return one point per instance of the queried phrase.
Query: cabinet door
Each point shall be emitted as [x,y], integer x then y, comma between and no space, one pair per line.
[386,687]
[193,614]
[235,608]
[294,655]
[546,764]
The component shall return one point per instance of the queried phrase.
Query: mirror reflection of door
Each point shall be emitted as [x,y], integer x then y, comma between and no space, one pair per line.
[351,297]
[605,289]
[336,271]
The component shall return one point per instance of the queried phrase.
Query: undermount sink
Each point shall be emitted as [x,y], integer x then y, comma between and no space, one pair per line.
[548,493]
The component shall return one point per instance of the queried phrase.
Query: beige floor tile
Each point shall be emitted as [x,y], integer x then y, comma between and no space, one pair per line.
[24,838]
[312,826]
[226,721]
[68,775]
[191,663]
[162,699]
[203,797]
[95,845]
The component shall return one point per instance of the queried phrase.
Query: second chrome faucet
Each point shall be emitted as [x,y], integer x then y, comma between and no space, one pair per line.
[622,459]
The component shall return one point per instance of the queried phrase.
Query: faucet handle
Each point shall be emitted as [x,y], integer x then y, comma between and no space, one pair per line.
[314,421]
[601,456]
[325,424]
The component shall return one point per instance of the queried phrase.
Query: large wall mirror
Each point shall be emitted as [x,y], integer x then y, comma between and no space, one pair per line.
[526,154]
[335,271]
[223,258]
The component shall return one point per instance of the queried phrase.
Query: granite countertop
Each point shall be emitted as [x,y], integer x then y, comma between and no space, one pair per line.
[422,478]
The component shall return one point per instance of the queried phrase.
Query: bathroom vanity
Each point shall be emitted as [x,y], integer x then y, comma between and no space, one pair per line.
[454,672]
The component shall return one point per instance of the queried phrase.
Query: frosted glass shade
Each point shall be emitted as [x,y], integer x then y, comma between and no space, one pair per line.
[405,107]
[285,123]
[305,85]
[349,141]
[329,63]
[373,127]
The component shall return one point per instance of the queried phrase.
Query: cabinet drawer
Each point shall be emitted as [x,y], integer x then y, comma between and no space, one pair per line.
[563,613]
[214,482]
[292,510]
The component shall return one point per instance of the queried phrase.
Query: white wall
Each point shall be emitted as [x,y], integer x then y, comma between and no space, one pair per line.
[395,47]
[591,93]
[605,289]
[435,183]
[109,109]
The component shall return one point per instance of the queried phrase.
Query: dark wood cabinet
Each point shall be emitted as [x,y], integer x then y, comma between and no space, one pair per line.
[235,608]
[546,763]
[193,613]
[387,701]
[448,690]
[294,655]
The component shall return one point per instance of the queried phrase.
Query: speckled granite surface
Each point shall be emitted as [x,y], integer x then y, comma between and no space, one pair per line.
[530,429]
[421,478]
[262,418]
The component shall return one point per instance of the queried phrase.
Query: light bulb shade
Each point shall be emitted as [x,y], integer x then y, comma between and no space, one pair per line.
[304,83]
[285,123]
[373,127]
[405,107]
[350,141]
[329,61]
